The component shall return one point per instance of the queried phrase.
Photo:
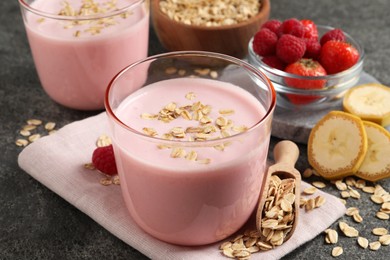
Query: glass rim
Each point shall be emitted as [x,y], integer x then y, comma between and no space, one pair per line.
[130,6]
[204,54]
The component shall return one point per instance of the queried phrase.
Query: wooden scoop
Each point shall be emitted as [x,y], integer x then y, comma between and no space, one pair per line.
[285,154]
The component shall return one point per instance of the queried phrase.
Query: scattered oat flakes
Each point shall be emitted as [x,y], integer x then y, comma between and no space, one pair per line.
[307,173]
[115,180]
[354,193]
[369,189]
[352,211]
[21,142]
[348,230]
[382,215]
[49,126]
[350,181]
[340,185]
[149,131]
[226,112]
[310,190]
[345,194]
[374,245]
[351,232]
[363,242]
[337,251]
[34,122]
[89,166]
[386,207]
[319,184]
[29,127]
[202,72]
[357,218]
[170,70]
[385,240]
[103,140]
[319,201]
[190,96]
[181,72]
[24,133]
[343,201]
[105,181]
[192,156]
[331,236]
[360,184]
[34,137]
[213,74]
[379,231]
[148,116]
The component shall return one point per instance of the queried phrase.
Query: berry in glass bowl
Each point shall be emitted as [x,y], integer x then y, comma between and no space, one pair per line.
[311,66]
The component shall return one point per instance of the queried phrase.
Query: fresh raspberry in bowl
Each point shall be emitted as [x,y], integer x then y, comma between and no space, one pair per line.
[339,56]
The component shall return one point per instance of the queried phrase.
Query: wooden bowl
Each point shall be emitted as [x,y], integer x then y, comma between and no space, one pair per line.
[227,39]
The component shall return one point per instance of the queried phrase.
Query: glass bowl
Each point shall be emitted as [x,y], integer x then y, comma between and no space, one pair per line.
[335,85]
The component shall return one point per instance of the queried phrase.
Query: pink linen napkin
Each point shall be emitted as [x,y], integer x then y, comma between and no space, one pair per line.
[57,162]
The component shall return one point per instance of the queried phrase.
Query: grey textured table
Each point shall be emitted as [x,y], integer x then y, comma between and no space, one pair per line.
[35,223]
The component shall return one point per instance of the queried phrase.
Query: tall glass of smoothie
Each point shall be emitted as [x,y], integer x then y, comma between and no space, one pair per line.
[191,143]
[79,45]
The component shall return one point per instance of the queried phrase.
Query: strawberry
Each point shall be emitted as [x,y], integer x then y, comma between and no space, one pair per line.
[338,56]
[264,42]
[305,67]
[103,159]
[311,31]
[290,48]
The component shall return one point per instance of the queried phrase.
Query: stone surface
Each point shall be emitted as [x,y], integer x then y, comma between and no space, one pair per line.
[296,124]
[35,223]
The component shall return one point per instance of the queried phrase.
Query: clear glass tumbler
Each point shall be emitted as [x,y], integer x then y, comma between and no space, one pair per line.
[191,133]
[79,45]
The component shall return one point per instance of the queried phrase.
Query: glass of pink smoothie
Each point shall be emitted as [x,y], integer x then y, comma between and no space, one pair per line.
[79,45]
[191,143]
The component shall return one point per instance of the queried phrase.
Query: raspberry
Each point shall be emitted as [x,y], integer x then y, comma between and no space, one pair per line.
[313,49]
[290,48]
[335,34]
[103,159]
[291,26]
[272,25]
[274,62]
[264,42]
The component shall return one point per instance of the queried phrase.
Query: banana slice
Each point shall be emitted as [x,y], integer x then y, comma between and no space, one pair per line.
[337,145]
[370,102]
[376,164]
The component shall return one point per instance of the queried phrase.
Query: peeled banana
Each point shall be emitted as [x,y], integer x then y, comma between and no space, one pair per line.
[370,102]
[376,164]
[337,145]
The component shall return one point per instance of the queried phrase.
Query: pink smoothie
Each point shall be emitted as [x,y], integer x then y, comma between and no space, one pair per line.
[75,62]
[183,201]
